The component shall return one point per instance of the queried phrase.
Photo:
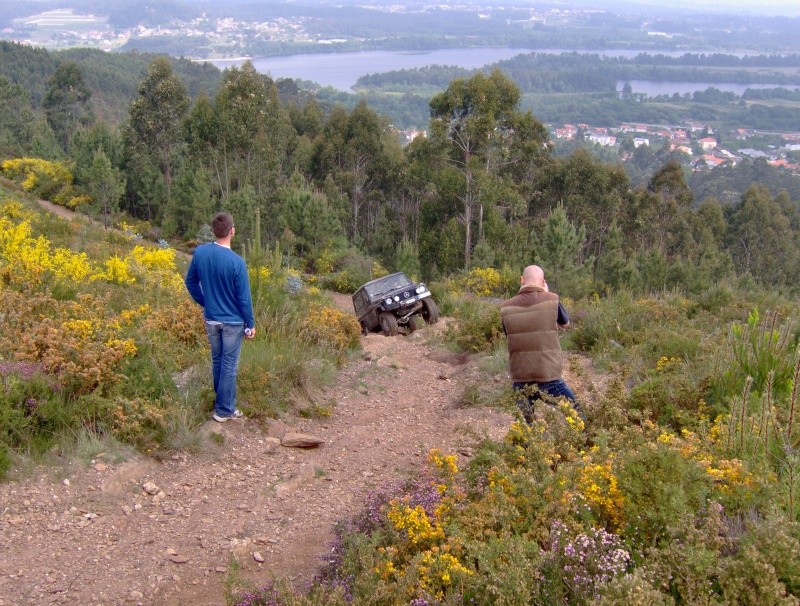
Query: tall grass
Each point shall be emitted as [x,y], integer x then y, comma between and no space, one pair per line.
[101,337]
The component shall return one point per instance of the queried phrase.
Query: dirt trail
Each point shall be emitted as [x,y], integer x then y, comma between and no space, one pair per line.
[164,533]
[98,537]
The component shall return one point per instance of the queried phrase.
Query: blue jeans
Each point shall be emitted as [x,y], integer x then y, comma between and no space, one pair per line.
[551,390]
[226,344]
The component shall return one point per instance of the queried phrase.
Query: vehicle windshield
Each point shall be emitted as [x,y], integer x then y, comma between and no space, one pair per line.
[388,284]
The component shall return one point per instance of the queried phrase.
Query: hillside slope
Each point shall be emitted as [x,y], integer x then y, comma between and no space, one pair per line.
[96,536]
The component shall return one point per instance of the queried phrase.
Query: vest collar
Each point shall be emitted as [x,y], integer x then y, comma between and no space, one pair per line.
[531,288]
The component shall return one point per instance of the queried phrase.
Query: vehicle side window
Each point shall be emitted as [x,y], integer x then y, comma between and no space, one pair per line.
[361,299]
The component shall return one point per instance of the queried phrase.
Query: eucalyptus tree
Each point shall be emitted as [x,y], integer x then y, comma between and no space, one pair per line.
[761,239]
[363,155]
[67,103]
[153,136]
[253,132]
[482,133]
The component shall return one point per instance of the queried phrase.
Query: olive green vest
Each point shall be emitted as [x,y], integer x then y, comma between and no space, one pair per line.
[529,320]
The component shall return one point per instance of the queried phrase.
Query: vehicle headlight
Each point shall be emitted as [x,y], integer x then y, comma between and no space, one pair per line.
[388,301]
[396,298]
[421,289]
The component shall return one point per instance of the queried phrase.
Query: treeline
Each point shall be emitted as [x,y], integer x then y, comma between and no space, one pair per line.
[112,77]
[580,88]
[591,73]
[721,111]
[333,187]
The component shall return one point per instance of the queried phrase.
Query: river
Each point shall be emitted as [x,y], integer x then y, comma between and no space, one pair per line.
[342,70]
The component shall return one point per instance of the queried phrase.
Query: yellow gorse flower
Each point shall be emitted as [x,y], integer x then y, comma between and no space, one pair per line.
[161,259]
[437,568]
[482,281]
[26,259]
[443,462]
[414,522]
[50,179]
[598,486]
[83,329]
[572,417]
[128,345]
[664,363]
[115,271]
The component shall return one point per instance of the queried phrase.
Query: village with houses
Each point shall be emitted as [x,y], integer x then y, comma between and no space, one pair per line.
[696,140]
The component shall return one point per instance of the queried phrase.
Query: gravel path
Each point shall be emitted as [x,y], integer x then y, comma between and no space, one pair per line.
[147,532]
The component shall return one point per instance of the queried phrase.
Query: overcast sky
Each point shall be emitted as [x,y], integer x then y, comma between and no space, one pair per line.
[756,7]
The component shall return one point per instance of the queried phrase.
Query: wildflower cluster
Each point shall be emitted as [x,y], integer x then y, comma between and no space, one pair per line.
[115,271]
[482,282]
[573,419]
[27,261]
[331,327]
[586,562]
[155,267]
[664,363]
[598,487]
[421,548]
[131,232]
[728,475]
[83,349]
[439,568]
[414,522]
[49,180]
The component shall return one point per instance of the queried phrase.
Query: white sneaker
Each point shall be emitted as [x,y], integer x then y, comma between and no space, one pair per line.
[237,414]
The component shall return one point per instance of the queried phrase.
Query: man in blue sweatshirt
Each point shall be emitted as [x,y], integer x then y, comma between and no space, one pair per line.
[217,280]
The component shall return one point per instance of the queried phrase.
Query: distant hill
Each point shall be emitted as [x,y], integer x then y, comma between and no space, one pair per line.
[112,77]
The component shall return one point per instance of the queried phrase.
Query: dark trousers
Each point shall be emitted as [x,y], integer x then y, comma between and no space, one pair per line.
[546,391]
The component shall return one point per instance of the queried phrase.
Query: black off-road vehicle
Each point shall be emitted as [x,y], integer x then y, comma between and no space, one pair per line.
[392,302]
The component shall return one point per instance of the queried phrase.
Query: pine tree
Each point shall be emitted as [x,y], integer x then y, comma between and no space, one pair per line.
[106,185]
[558,251]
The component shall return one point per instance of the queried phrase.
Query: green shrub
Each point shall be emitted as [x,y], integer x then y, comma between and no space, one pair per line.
[759,348]
[634,588]
[32,413]
[671,397]
[476,325]
[5,460]
[659,487]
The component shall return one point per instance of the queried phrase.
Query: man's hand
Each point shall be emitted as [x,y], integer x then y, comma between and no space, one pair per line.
[249,333]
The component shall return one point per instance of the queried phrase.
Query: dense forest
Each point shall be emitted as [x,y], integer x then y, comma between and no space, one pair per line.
[333,186]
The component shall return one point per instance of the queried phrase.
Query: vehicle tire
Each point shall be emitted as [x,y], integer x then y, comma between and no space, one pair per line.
[430,313]
[364,329]
[388,324]
[412,324]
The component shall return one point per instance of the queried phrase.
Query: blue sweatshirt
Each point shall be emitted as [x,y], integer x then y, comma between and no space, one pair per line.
[217,280]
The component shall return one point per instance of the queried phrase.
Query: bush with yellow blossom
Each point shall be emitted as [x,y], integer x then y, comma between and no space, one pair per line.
[44,178]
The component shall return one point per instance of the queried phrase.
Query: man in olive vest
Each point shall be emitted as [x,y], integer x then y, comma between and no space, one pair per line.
[531,320]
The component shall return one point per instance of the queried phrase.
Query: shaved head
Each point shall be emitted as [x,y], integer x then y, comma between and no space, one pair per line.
[533,275]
